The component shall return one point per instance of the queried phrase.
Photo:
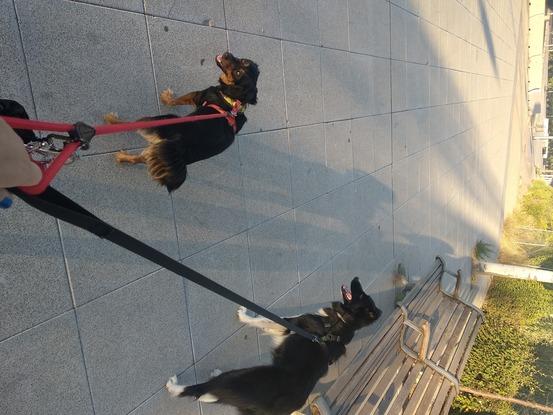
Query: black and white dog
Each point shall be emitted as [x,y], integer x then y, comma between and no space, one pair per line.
[298,363]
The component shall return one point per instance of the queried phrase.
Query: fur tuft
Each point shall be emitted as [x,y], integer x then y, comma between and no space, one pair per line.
[166,163]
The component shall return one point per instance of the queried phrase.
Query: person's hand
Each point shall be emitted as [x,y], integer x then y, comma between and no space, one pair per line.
[16,168]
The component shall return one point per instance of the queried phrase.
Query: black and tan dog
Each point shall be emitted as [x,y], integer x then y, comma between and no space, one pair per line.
[171,148]
[298,363]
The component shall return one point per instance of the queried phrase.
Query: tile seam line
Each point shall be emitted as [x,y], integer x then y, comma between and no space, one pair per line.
[392,133]
[75,315]
[151,53]
[28,73]
[91,395]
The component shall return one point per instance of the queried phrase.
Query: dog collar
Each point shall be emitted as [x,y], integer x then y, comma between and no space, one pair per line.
[330,338]
[236,105]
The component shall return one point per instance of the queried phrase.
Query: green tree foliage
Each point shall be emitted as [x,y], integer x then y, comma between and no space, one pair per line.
[537,204]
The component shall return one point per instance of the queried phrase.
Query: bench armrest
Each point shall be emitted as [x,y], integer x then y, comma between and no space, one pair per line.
[421,355]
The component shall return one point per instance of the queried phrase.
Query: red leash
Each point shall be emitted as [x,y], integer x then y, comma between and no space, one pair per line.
[80,135]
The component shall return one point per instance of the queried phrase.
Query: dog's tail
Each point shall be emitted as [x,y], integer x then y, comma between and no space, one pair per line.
[167,163]
[199,391]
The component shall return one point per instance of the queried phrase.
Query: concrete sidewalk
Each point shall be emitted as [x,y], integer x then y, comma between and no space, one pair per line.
[385,132]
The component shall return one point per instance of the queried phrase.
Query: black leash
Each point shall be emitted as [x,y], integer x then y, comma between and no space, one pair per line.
[60,206]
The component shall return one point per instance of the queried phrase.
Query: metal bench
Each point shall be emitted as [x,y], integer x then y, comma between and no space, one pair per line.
[414,362]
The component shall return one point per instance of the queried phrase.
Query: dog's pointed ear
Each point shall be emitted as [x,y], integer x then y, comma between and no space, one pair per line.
[356,289]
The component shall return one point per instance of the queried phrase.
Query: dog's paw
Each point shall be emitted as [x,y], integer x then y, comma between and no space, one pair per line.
[166,98]
[215,372]
[242,314]
[121,156]
[172,381]
[111,118]
[173,387]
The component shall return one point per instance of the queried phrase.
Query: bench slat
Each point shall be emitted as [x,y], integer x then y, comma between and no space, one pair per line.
[460,356]
[440,339]
[429,396]
[424,383]
[373,393]
[452,394]
[397,373]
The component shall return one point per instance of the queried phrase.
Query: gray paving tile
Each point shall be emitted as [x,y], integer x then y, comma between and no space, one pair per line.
[15,83]
[212,318]
[342,217]
[369,27]
[265,160]
[339,154]
[317,289]
[402,123]
[253,16]
[416,78]
[380,23]
[337,84]
[359,30]
[314,235]
[131,5]
[407,42]
[239,351]
[133,340]
[382,93]
[191,66]
[382,141]
[299,20]
[205,12]
[44,363]
[273,258]
[400,171]
[77,73]
[302,76]
[309,172]
[125,197]
[399,86]
[33,281]
[270,111]
[363,86]
[333,18]
[363,137]
[365,202]
[209,207]
[163,403]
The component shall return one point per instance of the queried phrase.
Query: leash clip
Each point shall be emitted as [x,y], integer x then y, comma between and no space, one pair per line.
[83,133]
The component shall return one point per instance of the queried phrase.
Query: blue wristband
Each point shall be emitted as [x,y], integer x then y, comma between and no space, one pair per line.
[6,202]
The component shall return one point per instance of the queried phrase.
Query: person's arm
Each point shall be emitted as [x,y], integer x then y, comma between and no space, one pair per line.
[16,168]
